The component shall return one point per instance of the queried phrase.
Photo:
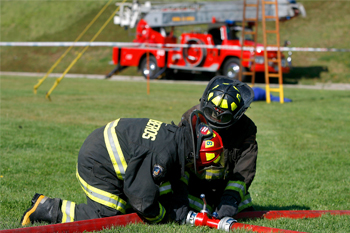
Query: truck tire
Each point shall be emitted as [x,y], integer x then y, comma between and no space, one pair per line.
[154,68]
[231,69]
[194,56]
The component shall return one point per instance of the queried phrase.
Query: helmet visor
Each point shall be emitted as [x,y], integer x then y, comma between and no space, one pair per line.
[216,115]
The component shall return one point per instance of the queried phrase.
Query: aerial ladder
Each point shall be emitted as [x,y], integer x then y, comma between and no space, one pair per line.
[266,32]
[186,13]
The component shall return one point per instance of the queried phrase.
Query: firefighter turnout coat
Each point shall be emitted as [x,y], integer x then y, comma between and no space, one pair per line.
[238,167]
[128,163]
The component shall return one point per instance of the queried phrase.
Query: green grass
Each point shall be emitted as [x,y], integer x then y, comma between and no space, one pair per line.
[303,156]
[326,25]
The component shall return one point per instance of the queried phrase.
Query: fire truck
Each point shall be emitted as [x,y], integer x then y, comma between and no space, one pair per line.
[158,51]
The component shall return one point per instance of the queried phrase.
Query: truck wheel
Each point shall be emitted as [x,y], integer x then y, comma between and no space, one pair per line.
[153,67]
[194,56]
[231,69]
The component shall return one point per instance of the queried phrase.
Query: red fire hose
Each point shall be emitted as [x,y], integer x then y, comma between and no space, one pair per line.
[195,219]
[81,226]
[294,214]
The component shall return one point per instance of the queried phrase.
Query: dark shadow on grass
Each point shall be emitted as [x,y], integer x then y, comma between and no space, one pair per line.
[188,76]
[293,77]
[310,72]
[289,207]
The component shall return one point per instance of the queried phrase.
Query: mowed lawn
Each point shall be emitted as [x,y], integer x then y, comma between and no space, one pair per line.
[303,161]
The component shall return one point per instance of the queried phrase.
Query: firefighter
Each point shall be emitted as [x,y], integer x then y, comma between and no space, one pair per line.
[127,166]
[224,103]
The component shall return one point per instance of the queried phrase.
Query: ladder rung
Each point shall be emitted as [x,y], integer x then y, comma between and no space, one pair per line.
[248,73]
[273,60]
[251,19]
[270,17]
[248,59]
[274,75]
[271,31]
[276,89]
[249,32]
[251,5]
[269,3]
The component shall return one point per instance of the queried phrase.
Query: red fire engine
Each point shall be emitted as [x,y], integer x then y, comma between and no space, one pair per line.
[193,51]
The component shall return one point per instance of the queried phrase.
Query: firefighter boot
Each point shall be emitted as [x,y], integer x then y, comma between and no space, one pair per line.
[43,209]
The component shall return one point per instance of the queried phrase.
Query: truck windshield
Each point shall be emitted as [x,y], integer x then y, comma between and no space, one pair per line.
[235,33]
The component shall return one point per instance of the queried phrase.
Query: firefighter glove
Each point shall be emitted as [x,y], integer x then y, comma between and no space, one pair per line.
[180,203]
[179,213]
[228,206]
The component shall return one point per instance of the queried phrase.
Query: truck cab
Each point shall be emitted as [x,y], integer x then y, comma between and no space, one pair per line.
[231,35]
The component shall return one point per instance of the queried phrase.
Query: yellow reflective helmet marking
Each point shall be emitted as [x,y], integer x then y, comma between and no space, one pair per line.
[216,100]
[233,106]
[224,104]
[238,96]
[217,159]
[209,144]
[210,95]
[209,156]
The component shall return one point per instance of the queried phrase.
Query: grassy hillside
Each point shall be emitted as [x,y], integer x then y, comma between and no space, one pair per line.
[326,25]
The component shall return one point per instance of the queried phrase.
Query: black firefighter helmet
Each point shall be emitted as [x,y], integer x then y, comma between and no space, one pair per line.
[224,101]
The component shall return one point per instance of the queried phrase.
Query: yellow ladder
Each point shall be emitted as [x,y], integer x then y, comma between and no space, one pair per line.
[255,35]
[40,81]
[58,80]
[269,75]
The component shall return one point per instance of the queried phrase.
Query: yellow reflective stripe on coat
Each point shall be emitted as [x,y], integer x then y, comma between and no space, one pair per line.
[114,150]
[245,203]
[159,217]
[102,197]
[211,174]
[185,178]
[68,211]
[165,188]
[197,204]
[238,186]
